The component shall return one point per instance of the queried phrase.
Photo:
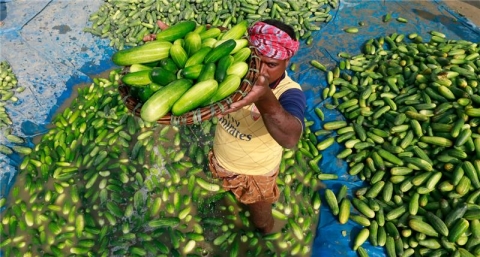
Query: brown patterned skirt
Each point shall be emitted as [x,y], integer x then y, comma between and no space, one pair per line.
[247,189]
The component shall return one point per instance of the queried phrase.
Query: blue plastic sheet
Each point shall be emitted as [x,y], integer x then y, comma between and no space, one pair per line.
[44,43]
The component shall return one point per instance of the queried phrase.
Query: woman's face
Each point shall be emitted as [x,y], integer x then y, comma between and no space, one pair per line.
[274,68]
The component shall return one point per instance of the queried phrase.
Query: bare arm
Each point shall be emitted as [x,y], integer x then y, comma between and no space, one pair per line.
[285,128]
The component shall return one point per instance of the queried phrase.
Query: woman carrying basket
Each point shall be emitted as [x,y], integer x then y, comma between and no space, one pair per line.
[251,134]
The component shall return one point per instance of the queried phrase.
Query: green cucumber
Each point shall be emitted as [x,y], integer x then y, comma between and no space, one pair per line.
[174,32]
[422,227]
[162,76]
[219,51]
[208,72]
[225,88]
[195,96]
[178,55]
[240,69]
[160,103]
[137,78]
[138,67]
[222,65]
[242,55]
[236,32]
[148,52]
[212,32]
[197,58]
[457,230]
[164,222]
[192,72]
[193,43]
[168,64]
[240,44]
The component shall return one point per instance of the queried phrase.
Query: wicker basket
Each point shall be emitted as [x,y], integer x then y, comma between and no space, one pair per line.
[200,114]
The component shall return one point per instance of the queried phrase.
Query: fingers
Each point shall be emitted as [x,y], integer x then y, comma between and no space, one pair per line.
[149,37]
[233,108]
[162,25]
[262,80]
[236,106]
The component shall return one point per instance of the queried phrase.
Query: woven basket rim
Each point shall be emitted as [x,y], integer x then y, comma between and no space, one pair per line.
[200,114]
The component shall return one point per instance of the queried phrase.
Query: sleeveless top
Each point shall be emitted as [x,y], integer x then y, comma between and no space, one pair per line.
[242,143]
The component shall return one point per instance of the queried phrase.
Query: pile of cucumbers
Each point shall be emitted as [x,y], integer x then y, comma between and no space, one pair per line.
[125,23]
[412,110]
[9,87]
[186,67]
[103,182]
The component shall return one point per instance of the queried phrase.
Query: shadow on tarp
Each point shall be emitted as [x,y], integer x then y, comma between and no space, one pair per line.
[332,238]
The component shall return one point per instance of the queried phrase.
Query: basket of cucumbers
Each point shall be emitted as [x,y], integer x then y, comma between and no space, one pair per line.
[188,74]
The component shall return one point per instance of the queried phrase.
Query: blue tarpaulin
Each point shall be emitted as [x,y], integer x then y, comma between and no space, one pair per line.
[50,54]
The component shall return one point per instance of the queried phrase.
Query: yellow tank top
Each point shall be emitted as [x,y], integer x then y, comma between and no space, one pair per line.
[242,143]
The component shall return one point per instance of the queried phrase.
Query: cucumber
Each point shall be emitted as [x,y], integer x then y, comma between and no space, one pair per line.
[240,44]
[242,55]
[437,223]
[195,96]
[344,210]
[332,202]
[438,141]
[210,42]
[240,69]
[197,58]
[457,230]
[178,55]
[422,227]
[236,32]
[192,72]
[193,43]
[164,222]
[137,78]
[472,112]
[212,32]
[148,52]
[160,103]
[168,64]
[161,76]
[208,72]
[174,32]
[138,67]
[219,51]
[147,91]
[334,125]
[361,237]
[200,28]
[225,88]
[222,65]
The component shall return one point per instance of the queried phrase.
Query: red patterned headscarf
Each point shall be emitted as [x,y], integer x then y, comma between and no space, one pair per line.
[271,41]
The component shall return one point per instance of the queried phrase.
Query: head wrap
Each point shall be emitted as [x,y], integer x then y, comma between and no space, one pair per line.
[271,41]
